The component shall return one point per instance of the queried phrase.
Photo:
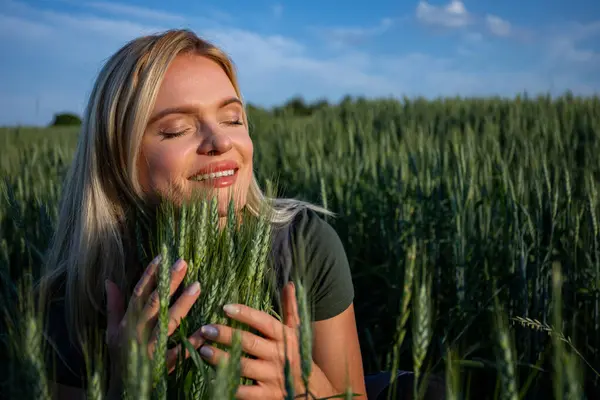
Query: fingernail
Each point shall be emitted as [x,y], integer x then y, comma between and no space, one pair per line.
[206,351]
[178,265]
[157,260]
[106,285]
[209,331]
[193,289]
[231,309]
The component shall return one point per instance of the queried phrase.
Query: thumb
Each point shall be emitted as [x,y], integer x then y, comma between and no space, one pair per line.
[115,308]
[290,306]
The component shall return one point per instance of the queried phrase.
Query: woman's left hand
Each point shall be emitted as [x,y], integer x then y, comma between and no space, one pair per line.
[268,367]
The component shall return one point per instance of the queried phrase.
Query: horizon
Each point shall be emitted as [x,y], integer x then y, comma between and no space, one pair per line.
[446,49]
[522,96]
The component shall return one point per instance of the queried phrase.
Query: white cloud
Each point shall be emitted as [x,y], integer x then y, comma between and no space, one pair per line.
[340,37]
[32,30]
[118,29]
[565,50]
[134,11]
[70,27]
[497,25]
[583,31]
[453,15]
[254,46]
[69,48]
[286,64]
[566,46]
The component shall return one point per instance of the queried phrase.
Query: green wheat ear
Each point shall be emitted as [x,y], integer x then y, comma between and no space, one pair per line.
[26,346]
[305,332]
[160,365]
[230,262]
[422,325]
[495,190]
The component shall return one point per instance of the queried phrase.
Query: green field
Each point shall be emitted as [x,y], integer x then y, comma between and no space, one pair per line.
[494,200]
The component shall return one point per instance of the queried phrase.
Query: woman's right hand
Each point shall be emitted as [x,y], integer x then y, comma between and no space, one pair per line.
[145,304]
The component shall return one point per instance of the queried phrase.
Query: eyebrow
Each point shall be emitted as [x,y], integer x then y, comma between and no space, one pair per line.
[188,109]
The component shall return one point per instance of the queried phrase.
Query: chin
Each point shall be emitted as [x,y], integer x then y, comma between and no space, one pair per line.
[224,199]
[223,195]
[225,189]
[184,191]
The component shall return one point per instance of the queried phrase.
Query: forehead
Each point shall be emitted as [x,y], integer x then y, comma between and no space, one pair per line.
[195,80]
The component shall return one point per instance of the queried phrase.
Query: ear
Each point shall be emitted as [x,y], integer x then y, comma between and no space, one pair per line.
[290,306]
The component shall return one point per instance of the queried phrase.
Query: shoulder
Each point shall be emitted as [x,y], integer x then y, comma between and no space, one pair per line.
[317,239]
[311,225]
[320,261]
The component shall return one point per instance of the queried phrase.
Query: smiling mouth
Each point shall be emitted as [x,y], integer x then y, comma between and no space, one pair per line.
[214,175]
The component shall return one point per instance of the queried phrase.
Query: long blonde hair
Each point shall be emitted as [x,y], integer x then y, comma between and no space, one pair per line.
[101,187]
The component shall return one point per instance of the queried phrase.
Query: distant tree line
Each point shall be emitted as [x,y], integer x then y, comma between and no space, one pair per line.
[63,119]
[296,106]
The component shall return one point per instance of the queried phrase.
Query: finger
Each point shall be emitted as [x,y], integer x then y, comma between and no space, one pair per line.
[259,370]
[290,306]
[153,303]
[144,287]
[256,319]
[179,310]
[114,307]
[251,343]
[196,341]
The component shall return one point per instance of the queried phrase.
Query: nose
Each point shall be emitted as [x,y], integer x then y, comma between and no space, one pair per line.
[214,142]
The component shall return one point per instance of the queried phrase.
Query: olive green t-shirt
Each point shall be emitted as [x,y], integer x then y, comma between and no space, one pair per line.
[325,272]
[313,252]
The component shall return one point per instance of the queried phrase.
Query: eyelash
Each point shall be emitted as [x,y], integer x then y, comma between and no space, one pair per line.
[171,135]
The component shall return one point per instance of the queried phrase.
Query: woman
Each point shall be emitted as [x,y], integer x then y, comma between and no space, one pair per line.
[165,111]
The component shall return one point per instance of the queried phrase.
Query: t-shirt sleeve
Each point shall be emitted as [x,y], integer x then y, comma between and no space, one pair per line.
[325,268]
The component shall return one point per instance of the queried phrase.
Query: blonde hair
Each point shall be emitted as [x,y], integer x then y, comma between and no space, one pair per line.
[101,188]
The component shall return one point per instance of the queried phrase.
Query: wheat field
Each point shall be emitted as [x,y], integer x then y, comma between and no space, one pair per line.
[471,227]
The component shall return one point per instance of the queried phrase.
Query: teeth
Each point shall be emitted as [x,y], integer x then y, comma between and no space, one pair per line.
[213,175]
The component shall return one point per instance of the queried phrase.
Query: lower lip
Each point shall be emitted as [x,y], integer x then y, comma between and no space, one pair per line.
[220,182]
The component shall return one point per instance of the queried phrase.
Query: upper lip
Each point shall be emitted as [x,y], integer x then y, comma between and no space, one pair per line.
[217,167]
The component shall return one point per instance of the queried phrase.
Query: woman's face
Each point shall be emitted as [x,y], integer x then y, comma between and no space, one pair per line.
[196,129]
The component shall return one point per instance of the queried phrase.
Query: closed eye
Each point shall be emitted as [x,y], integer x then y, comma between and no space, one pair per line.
[171,135]
[235,122]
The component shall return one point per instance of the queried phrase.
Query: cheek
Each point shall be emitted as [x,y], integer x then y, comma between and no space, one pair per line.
[247,150]
[247,154]
[161,164]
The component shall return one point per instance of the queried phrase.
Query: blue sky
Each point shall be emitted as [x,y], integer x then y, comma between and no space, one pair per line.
[53,49]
